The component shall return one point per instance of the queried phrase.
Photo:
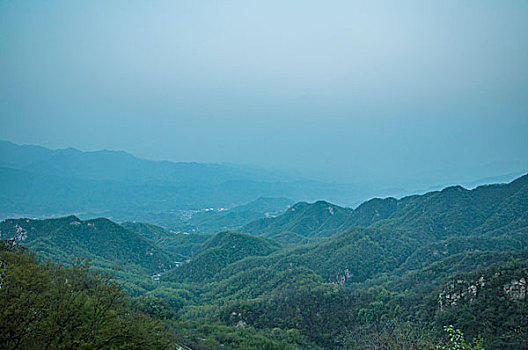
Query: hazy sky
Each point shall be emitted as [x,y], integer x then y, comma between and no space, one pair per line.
[343,89]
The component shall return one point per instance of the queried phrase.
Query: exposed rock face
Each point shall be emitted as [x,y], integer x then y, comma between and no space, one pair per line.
[516,289]
[460,290]
[21,234]
[341,279]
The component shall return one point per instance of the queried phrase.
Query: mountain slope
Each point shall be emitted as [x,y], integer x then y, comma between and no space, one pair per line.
[180,246]
[218,252]
[372,284]
[121,166]
[101,240]
[344,291]
[233,219]
[437,215]
[319,219]
[454,210]
[419,231]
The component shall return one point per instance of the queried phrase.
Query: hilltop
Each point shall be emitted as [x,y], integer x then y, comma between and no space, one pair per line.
[321,275]
[438,214]
[109,246]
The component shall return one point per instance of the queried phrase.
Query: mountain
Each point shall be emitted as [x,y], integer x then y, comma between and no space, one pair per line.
[319,219]
[454,210]
[349,257]
[180,245]
[369,284]
[220,251]
[38,182]
[212,221]
[391,273]
[122,166]
[107,244]
[401,234]
[439,214]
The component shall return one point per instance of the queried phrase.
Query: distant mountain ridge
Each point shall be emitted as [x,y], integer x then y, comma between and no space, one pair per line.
[39,182]
[453,210]
[123,166]
[396,236]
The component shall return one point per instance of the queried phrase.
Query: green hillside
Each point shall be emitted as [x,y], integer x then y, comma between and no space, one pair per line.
[181,246]
[439,214]
[335,291]
[320,219]
[454,210]
[52,307]
[390,274]
[220,251]
[107,244]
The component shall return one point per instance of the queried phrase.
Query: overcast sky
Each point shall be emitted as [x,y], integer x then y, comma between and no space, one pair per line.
[340,89]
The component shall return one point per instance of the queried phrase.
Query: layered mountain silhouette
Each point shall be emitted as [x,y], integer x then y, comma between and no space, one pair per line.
[36,181]
[439,214]
[454,256]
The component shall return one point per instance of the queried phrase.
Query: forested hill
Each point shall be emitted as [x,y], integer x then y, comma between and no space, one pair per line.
[48,306]
[439,214]
[367,286]
[218,252]
[320,219]
[389,274]
[445,224]
[106,243]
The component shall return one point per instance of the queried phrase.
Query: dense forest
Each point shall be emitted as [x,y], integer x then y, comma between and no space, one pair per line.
[421,272]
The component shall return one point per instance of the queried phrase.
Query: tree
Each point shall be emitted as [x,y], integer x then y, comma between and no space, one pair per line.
[47,306]
[456,341]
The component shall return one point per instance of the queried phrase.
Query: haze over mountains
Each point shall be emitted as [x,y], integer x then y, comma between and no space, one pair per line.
[336,277]
[39,182]
[36,181]
[249,175]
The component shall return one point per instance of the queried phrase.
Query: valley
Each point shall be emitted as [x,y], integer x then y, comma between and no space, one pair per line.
[317,275]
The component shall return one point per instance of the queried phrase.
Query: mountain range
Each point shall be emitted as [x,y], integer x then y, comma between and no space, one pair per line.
[39,182]
[320,275]
[440,214]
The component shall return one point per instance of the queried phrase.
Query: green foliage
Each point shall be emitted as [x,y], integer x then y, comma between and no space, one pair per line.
[455,257]
[453,211]
[180,246]
[220,251]
[489,302]
[48,306]
[104,242]
[390,334]
[456,341]
[320,219]
[213,335]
